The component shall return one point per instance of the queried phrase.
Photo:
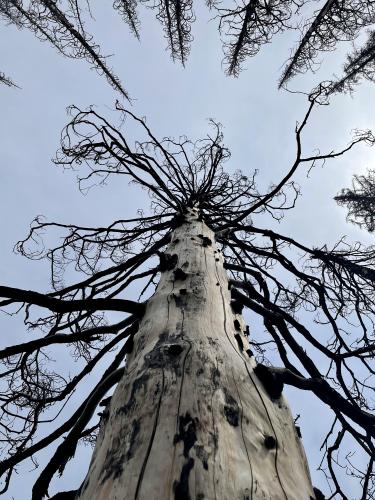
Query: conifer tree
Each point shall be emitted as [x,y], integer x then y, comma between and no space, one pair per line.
[244,26]
[360,201]
[197,410]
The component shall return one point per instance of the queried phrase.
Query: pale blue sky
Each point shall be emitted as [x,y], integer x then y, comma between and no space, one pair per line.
[258,125]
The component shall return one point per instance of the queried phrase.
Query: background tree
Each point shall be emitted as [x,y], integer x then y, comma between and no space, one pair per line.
[244,26]
[359,65]
[336,21]
[6,80]
[281,281]
[63,27]
[360,201]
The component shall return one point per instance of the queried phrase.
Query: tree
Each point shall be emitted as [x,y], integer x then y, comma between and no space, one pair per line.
[334,22]
[244,26]
[6,80]
[63,28]
[192,409]
[360,64]
[360,201]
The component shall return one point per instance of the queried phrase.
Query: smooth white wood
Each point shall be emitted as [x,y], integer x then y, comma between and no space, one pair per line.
[190,417]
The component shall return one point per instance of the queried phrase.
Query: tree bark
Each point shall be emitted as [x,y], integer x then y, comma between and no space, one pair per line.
[190,419]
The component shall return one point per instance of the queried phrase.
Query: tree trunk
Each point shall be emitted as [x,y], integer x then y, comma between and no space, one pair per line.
[191,419]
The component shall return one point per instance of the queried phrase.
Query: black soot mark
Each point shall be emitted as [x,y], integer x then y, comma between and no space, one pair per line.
[187,433]
[236,306]
[181,487]
[231,409]
[239,341]
[133,436]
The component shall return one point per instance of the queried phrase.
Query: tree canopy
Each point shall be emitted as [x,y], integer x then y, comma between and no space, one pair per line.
[360,201]
[244,27]
[278,279]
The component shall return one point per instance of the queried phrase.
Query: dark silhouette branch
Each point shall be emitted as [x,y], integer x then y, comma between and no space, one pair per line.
[286,284]
[62,306]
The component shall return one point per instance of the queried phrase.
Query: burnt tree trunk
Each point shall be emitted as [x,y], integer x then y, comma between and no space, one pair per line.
[191,419]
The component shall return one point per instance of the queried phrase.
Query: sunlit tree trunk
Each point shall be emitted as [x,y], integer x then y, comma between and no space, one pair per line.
[191,419]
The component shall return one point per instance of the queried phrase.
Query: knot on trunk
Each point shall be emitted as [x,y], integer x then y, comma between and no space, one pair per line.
[236,306]
[180,299]
[270,442]
[165,352]
[179,219]
[179,274]
[167,261]
[270,381]
[206,241]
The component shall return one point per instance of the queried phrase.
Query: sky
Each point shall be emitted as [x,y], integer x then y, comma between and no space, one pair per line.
[258,123]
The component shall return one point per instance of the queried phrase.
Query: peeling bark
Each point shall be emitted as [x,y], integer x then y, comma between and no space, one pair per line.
[191,419]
